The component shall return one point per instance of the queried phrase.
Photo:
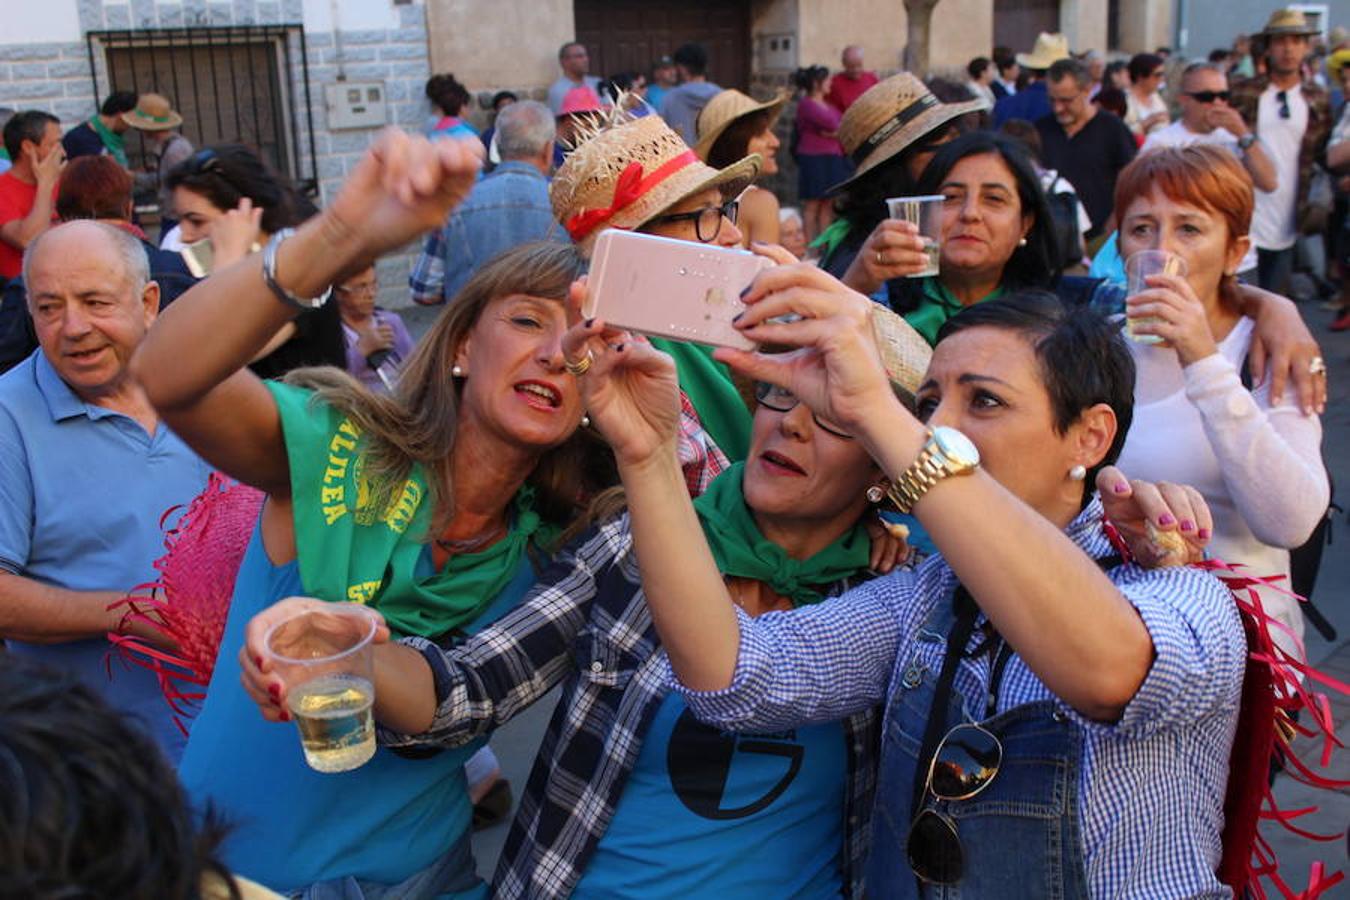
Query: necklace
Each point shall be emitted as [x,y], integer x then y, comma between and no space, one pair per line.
[477,542]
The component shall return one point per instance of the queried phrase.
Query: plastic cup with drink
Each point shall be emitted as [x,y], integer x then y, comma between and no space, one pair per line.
[325,659]
[1138,268]
[926,213]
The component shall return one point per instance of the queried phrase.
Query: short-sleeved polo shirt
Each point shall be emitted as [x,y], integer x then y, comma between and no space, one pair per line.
[83,491]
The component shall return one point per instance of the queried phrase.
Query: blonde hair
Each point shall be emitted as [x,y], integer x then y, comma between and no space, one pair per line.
[419,423]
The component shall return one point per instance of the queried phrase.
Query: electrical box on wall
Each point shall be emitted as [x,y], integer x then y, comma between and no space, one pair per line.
[356,104]
[777,52]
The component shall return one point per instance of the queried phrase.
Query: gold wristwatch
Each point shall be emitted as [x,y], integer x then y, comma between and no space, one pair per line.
[947,452]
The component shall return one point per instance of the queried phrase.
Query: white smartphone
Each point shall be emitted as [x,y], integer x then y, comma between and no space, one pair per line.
[672,289]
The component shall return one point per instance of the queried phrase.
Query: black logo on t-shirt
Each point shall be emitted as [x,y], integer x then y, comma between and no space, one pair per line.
[699,760]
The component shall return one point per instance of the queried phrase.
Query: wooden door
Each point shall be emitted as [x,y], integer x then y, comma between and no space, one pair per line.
[629,35]
[1017,22]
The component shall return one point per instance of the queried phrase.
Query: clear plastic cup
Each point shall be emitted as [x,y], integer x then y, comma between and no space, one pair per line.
[325,659]
[926,213]
[1138,267]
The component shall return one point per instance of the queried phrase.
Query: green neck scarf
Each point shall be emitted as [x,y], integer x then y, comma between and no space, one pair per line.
[111,139]
[719,405]
[742,551]
[350,550]
[939,305]
[832,237]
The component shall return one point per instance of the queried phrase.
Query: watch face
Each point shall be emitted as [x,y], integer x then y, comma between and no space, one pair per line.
[956,446]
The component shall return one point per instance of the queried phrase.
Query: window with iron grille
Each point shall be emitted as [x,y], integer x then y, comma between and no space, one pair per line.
[237,84]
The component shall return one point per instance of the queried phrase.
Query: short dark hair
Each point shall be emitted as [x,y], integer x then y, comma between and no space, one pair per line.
[118,102]
[447,94]
[807,77]
[1219,54]
[562,51]
[1004,58]
[1024,133]
[693,57]
[1069,68]
[224,174]
[1112,100]
[26,125]
[977,66]
[92,809]
[1143,65]
[500,96]
[93,187]
[1030,265]
[1082,356]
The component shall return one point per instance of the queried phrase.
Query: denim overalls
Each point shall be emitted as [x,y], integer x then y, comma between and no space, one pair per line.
[1021,835]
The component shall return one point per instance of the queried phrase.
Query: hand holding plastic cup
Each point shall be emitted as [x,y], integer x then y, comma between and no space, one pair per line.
[1138,268]
[926,213]
[325,659]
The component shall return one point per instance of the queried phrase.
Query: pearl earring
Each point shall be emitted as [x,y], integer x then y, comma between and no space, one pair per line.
[585,421]
[457,371]
[1022,242]
[1077,473]
[875,494]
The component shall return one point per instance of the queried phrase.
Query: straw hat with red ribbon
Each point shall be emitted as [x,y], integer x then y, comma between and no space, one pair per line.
[624,172]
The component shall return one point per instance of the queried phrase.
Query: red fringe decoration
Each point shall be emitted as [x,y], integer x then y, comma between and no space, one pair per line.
[188,604]
[1275,686]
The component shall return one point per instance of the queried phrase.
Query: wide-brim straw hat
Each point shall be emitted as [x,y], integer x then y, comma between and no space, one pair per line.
[1049,49]
[624,172]
[889,117]
[1288,21]
[153,112]
[723,111]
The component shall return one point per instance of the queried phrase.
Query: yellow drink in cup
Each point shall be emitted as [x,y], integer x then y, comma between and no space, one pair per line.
[1140,265]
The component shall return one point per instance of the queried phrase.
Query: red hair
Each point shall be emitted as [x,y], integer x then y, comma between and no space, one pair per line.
[1201,175]
[93,187]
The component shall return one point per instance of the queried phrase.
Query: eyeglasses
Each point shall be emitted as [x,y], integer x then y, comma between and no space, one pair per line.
[359,290]
[203,161]
[1283,97]
[707,221]
[1208,96]
[965,763]
[771,396]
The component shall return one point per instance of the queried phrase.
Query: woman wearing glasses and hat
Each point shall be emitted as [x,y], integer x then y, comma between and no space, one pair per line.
[639,175]
[1057,724]
[732,127]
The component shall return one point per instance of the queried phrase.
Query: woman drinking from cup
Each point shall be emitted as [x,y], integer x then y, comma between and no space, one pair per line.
[730,128]
[1258,462]
[1044,701]
[426,506]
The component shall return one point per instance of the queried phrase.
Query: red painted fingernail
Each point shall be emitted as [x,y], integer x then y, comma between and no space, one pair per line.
[274,691]
[285,716]
[1203,533]
[1187,525]
[257,661]
[1166,519]
[1121,488]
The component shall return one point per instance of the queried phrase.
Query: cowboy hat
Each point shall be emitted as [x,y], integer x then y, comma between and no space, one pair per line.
[1288,21]
[153,112]
[724,110]
[891,116]
[1050,48]
[624,172]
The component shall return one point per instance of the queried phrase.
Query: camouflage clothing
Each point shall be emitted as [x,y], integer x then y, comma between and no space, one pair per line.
[1312,152]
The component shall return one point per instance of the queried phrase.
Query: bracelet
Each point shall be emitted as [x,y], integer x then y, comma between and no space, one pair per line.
[269,273]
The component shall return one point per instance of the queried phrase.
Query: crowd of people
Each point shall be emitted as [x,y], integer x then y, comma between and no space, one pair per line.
[909,599]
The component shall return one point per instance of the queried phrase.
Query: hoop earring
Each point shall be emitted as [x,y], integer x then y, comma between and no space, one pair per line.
[1077,473]
[457,371]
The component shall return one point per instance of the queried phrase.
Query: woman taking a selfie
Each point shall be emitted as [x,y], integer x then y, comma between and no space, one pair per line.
[1040,695]
[427,506]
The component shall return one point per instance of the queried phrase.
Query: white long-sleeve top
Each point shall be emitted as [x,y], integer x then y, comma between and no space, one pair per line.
[1259,467]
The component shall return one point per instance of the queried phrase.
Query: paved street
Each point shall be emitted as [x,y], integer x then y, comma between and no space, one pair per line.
[515,744]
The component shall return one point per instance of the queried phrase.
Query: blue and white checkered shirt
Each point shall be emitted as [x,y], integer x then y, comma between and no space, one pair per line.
[1151,784]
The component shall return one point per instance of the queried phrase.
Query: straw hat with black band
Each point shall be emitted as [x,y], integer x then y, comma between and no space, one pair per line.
[624,172]
[726,109]
[1289,21]
[153,112]
[890,117]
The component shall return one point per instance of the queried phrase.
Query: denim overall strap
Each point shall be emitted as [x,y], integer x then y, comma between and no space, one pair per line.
[1021,836]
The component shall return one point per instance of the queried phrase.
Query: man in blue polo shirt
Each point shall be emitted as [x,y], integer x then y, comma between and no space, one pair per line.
[87,470]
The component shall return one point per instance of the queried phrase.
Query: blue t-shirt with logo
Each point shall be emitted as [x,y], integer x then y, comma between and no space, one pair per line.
[706,812]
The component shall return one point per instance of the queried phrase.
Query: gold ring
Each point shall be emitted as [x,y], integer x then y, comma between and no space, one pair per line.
[1318,366]
[581,366]
[880,261]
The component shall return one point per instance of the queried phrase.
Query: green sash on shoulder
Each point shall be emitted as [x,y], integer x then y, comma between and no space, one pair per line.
[349,550]
[112,141]
[708,385]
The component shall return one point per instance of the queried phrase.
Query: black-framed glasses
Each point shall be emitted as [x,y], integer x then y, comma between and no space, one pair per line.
[1283,97]
[780,399]
[203,161]
[965,763]
[1208,96]
[707,221]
